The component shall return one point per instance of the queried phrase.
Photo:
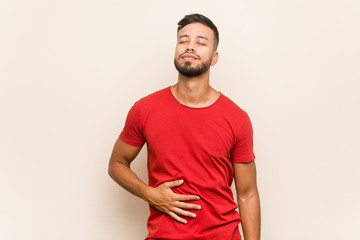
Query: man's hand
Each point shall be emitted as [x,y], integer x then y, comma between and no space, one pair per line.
[170,203]
[161,197]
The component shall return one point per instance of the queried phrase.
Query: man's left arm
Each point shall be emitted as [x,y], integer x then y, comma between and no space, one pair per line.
[248,199]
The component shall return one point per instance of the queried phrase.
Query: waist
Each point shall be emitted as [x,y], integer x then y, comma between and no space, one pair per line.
[217,217]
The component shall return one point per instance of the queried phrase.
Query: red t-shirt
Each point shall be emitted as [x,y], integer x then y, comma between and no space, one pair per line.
[197,145]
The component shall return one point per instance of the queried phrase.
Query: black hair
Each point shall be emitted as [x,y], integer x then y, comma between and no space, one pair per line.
[198,18]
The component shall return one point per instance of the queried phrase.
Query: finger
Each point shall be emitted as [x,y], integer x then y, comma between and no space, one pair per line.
[182,197]
[181,212]
[174,183]
[183,205]
[176,217]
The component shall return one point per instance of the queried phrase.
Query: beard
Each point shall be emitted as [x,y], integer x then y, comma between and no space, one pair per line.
[189,71]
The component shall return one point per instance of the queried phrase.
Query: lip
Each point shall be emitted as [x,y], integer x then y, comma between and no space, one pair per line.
[189,57]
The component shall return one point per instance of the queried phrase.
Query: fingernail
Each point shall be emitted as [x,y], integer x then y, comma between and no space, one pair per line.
[198,198]
[193,215]
[181,181]
[198,207]
[185,222]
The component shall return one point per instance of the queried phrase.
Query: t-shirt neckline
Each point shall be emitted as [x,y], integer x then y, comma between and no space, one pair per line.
[195,108]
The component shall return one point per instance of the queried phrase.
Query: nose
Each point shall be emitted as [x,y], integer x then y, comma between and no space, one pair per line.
[190,47]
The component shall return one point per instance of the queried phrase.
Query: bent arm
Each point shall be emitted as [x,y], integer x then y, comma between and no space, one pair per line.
[119,168]
[248,199]
[161,197]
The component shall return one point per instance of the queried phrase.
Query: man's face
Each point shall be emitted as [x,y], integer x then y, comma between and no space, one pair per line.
[195,52]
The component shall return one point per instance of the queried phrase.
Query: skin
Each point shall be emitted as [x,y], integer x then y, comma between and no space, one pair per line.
[195,45]
[195,91]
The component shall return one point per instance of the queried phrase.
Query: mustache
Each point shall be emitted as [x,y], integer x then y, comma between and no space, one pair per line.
[190,53]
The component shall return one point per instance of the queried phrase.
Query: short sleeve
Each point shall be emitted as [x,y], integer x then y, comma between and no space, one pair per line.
[132,132]
[243,147]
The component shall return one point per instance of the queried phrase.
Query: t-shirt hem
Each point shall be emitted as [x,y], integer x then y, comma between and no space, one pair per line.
[132,143]
[244,160]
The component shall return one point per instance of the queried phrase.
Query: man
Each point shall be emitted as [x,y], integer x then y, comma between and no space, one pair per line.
[198,141]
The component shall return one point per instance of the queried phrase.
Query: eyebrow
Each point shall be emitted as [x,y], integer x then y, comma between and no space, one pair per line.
[198,36]
[202,37]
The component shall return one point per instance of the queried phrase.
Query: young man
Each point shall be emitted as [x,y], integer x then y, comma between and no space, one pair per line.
[198,141]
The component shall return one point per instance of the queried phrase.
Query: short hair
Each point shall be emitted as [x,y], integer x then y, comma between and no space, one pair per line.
[198,18]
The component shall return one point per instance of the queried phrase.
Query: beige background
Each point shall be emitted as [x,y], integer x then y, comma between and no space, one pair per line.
[71,69]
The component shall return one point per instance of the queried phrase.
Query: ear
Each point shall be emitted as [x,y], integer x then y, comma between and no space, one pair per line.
[215,57]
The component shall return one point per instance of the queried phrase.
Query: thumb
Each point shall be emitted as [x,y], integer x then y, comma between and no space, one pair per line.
[174,183]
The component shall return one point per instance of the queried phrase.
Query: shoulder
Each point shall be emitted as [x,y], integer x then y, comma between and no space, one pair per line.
[232,108]
[153,98]
[237,118]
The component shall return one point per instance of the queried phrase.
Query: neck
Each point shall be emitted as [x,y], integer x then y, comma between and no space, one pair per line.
[195,91]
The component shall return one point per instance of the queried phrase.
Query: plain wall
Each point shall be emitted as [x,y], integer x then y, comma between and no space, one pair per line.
[70,70]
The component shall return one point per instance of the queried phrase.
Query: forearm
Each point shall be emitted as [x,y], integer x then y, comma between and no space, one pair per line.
[160,197]
[249,208]
[125,177]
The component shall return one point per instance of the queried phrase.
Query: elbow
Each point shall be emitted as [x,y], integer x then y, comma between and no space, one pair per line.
[110,170]
[115,168]
[245,197]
